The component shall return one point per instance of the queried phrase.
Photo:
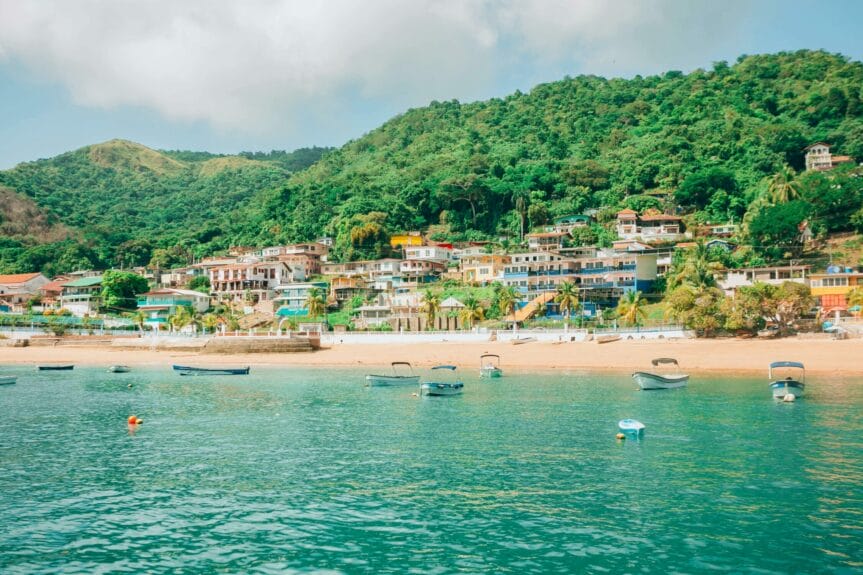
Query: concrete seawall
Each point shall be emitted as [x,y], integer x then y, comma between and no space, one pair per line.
[220,345]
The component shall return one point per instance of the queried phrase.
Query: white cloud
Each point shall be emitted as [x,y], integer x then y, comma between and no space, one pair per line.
[262,65]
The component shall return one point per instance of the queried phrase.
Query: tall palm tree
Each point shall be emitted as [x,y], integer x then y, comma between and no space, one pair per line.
[696,270]
[630,308]
[315,303]
[567,298]
[507,297]
[471,312]
[430,307]
[784,186]
[210,322]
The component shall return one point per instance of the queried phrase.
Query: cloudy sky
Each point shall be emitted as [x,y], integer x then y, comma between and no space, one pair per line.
[226,75]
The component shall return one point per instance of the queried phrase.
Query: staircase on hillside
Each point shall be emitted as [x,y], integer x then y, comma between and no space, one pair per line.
[528,310]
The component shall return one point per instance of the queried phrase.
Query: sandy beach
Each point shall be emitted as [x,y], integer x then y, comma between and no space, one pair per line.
[726,355]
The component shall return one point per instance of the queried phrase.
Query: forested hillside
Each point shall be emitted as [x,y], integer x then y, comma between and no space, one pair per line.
[711,137]
[120,201]
[724,144]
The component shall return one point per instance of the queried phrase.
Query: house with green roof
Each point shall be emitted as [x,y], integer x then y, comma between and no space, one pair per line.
[82,296]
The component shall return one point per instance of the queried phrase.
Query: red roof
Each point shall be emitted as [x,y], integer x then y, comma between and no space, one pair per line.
[17,278]
[627,212]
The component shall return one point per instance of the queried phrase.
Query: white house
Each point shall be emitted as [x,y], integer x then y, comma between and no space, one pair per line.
[17,289]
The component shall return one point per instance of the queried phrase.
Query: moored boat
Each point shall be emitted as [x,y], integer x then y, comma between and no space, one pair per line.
[441,388]
[522,340]
[186,370]
[792,384]
[119,369]
[632,426]
[489,365]
[607,338]
[654,380]
[403,377]
[55,367]
[7,379]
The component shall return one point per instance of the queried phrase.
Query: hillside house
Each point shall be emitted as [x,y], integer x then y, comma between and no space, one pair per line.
[649,227]
[830,289]
[568,223]
[775,275]
[818,157]
[546,241]
[82,296]
[291,299]
[160,304]
[406,239]
[482,269]
[17,289]
[237,282]
[51,291]
[432,253]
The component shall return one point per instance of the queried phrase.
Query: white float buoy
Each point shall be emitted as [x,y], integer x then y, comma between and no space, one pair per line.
[789,398]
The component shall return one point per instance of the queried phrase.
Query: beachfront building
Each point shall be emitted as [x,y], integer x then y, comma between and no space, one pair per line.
[649,227]
[241,281]
[819,157]
[18,289]
[291,298]
[372,315]
[830,289]
[160,304]
[546,241]
[406,239]
[773,275]
[483,269]
[82,296]
[50,292]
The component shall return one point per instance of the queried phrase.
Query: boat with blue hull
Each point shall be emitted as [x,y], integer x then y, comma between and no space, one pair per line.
[186,370]
[7,379]
[442,388]
[793,384]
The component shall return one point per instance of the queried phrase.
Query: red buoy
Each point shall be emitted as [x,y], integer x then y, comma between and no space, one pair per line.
[133,419]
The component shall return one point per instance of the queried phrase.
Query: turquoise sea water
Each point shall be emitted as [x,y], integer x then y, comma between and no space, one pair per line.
[305,470]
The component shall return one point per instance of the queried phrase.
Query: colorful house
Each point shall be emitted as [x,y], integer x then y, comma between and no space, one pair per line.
[406,239]
[158,305]
[291,299]
[648,227]
[830,289]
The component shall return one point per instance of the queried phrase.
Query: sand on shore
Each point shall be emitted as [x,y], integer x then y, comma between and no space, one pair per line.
[841,357]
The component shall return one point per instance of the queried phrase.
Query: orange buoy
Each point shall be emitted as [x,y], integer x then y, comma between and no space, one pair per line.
[133,419]
[621,436]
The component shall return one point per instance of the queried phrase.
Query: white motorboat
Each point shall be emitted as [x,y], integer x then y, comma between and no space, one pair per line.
[119,369]
[794,383]
[442,387]
[398,377]
[632,426]
[489,365]
[669,380]
[7,379]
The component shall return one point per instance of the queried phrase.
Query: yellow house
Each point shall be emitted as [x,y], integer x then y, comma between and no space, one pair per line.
[830,289]
[483,269]
[406,240]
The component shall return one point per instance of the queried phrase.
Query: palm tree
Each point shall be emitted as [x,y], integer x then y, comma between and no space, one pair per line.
[471,312]
[139,318]
[855,297]
[210,322]
[315,303]
[181,317]
[784,186]
[567,298]
[507,297]
[696,269]
[630,308]
[430,307]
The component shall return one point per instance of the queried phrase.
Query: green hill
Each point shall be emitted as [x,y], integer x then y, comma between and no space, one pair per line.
[120,192]
[571,145]
[705,142]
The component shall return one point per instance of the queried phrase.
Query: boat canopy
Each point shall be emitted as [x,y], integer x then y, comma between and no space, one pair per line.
[796,364]
[485,355]
[661,360]
[449,367]
[395,363]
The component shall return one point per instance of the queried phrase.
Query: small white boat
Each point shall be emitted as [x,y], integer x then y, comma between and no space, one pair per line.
[489,365]
[607,338]
[119,369]
[632,426]
[522,340]
[670,380]
[7,379]
[405,377]
[440,387]
[792,384]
